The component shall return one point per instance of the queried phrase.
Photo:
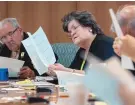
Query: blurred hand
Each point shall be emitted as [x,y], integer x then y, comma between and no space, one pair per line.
[26,72]
[125,45]
[52,68]
[127,95]
[117,46]
[56,66]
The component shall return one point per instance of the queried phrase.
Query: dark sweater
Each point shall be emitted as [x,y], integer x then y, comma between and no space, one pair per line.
[101,47]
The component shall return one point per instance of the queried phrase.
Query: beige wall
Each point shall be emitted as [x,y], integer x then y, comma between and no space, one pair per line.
[48,14]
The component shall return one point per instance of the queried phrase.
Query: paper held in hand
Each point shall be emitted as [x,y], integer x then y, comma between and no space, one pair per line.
[39,50]
[126,62]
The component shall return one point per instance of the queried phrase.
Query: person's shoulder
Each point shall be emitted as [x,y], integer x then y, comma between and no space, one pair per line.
[105,44]
[22,48]
[4,47]
[4,51]
[25,35]
[106,39]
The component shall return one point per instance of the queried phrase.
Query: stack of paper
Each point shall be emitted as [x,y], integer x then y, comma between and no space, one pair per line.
[44,79]
[30,84]
[39,50]
[68,77]
[13,65]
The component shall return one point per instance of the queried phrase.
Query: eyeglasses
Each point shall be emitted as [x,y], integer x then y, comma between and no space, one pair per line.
[11,33]
[73,28]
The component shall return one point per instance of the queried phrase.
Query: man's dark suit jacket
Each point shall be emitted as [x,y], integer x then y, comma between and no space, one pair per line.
[5,52]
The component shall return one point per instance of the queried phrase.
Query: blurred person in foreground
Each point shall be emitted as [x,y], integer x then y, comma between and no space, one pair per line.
[126,19]
[126,45]
[127,94]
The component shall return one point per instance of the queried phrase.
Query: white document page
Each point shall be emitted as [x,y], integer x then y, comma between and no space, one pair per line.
[104,81]
[13,65]
[69,77]
[32,83]
[41,78]
[39,50]
[126,62]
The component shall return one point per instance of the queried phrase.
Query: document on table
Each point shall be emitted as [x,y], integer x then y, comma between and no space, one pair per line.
[39,50]
[104,81]
[126,62]
[30,83]
[68,77]
[13,65]
[41,78]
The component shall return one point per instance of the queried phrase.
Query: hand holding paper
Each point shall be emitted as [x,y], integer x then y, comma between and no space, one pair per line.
[39,50]
[125,61]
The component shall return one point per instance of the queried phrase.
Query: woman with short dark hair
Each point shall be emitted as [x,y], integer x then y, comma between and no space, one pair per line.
[82,29]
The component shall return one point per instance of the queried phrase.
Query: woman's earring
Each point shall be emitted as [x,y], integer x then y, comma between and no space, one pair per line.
[90,30]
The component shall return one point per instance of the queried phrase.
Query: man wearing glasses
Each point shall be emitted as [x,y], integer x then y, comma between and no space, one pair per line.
[11,35]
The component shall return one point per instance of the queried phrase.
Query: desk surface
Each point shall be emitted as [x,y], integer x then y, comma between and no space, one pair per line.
[59,100]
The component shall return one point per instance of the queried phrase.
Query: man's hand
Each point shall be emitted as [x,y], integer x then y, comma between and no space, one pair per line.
[125,45]
[117,46]
[26,72]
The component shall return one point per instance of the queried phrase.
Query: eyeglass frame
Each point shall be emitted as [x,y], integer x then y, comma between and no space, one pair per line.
[8,34]
[74,29]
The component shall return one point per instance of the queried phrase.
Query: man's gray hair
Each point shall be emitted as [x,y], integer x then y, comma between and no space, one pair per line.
[121,20]
[13,22]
